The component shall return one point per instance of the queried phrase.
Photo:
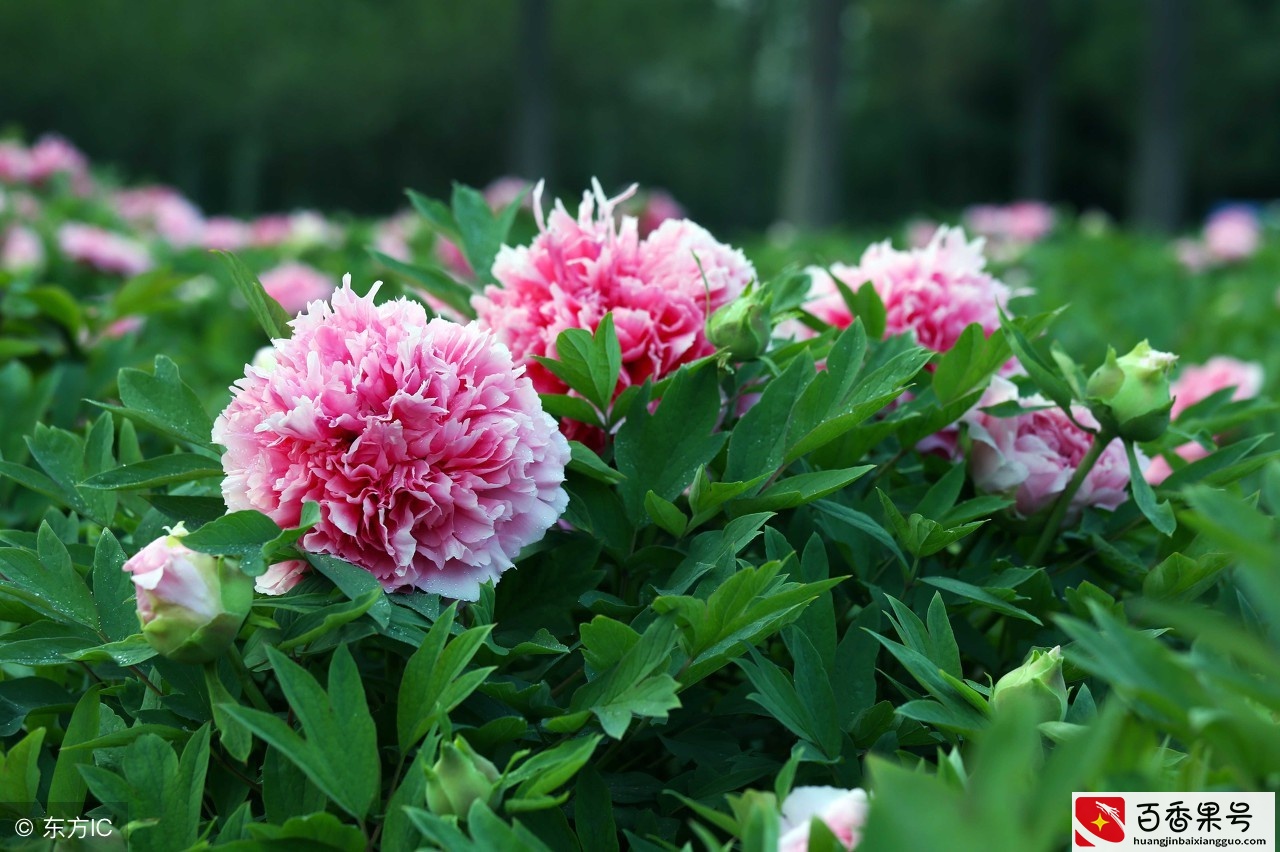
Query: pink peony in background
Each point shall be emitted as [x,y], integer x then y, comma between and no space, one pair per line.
[1020,223]
[20,249]
[931,293]
[1195,383]
[15,163]
[424,445]
[296,285]
[225,233]
[1232,233]
[281,577]
[163,211]
[843,811]
[578,269]
[657,206]
[1033,456]
[103,250]
[53,155]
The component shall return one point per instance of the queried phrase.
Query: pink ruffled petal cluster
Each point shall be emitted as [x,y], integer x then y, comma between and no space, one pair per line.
[426,448]
[932,293]
[296,285]
[1196,383]
[842,811]
[103,250]
[1033,456]
[578,269]
[164,211]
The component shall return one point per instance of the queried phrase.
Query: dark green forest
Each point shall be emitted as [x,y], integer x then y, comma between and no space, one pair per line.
[866,111]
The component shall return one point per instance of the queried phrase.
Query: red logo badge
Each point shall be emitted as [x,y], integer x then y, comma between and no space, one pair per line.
[1098,818]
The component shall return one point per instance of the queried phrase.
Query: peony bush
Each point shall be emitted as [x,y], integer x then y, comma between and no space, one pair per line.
[596,531]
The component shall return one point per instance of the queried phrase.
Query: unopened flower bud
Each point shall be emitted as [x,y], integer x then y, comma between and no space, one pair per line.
[191,605]
[1038,682]
[1130,394]
[459,778]
[742,326]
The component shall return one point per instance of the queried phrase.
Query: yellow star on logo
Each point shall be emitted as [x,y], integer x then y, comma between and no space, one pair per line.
[1099,822]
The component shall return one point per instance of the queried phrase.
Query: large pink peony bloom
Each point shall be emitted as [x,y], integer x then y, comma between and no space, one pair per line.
[1232,233]
[843,811]
[296,285]
[53,155]
[577,270]
[1195,383]
[1033,456]
[164,211]
[103,250]
[931,293]
[427,450]
[15,163]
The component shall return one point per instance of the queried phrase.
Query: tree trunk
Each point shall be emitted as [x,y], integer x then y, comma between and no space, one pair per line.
[811,194]
[531,146]
[1159,179]
[1037,101]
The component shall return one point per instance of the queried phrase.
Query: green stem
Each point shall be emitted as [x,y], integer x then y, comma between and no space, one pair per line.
[1051,527]
[256,697]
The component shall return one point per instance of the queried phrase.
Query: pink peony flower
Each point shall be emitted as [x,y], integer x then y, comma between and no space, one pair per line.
[281,577]
[577,270]
[123,326]
[103,250]
[1159,470]
[920,232]
[20,249]
[1021,223]
[931,293]
[1192,254]
[15,163]
[53,155]
[843,811]
[452,258]
[426,448]
[1033,456]
[164,211]
[190,604]
[300,230]
[225,233]
[391,237]
[1218,373]
[506,189]
[296,285]
[659,206]
[1232,234]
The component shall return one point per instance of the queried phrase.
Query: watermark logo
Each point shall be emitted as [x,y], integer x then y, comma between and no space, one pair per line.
[1163,820]
[1098,818]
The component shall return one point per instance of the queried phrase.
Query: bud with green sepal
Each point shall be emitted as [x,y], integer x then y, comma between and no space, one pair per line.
[1130,395]
[459,778]
[190,605]
[742,327]
[1038,682]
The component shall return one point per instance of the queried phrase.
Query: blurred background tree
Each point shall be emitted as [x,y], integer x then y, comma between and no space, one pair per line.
[749,111]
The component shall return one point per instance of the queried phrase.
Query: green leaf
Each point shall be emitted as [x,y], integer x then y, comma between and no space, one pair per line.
[113,595]
[584,460]
[68,788]
[587,362]
[1045,377]
[569,407]
[339,754]
[981,596]
[549,769]
[20,770]
[23,695]
[268,313]
[436,679]
[319,830]
[243,535]
[593,811]
[235,737]
[160,470]
[647,452]
[1181,578]
[1160,514]
[801,489]
[435,281]
[969,364]
[49,584]
[437,213]
[482,232]
[356,583]
[665,514]
[162,401]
